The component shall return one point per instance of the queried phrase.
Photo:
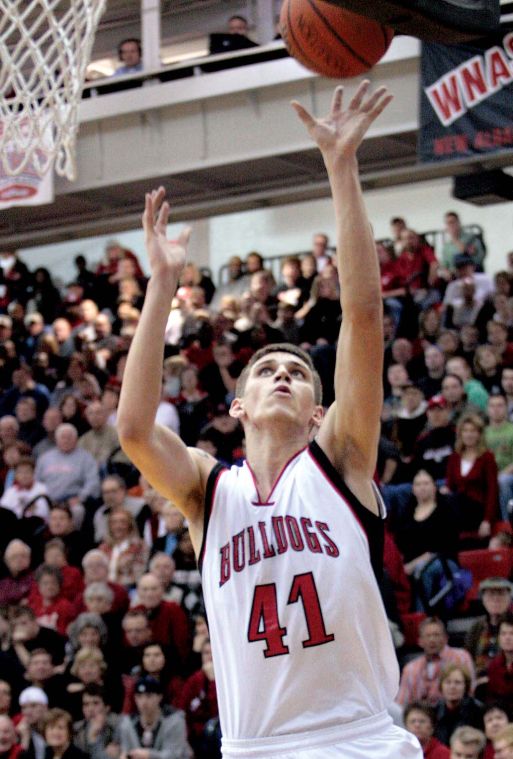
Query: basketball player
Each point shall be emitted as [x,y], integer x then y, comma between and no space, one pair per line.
[287,543]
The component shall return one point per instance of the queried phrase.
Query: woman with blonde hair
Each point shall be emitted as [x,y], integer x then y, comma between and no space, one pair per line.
[87,666]
[125,549]
[472,478]
[192,276]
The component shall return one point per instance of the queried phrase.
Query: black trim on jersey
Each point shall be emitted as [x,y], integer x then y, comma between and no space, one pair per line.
[372,524]
[209,502]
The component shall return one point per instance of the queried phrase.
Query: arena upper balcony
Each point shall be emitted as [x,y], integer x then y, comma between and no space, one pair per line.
[219,140]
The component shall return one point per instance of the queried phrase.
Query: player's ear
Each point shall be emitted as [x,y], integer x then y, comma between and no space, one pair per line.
[237,408]
[317,416]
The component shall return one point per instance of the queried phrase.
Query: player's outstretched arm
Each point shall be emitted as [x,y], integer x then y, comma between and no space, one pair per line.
[350,432]
[161,456]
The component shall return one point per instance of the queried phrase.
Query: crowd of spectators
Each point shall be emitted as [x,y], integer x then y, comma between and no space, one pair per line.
[103,640]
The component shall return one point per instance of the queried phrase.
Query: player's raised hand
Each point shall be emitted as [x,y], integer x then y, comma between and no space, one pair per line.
[166,256]
[339,134]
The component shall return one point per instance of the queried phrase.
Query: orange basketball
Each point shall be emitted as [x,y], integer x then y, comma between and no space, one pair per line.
[330,40]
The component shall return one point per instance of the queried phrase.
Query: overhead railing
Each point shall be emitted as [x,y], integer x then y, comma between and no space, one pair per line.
[193,67]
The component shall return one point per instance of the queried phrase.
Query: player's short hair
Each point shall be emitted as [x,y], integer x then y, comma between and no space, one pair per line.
[279,348]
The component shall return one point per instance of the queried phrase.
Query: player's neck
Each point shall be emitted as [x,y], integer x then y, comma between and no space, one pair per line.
[268,453]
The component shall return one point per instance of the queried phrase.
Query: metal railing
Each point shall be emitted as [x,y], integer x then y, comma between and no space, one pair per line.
[183,69]
[434,237]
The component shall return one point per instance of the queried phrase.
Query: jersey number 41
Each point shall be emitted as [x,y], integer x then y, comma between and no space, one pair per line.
[264,622]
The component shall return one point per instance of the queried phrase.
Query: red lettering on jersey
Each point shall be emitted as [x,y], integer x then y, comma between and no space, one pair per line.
[330,548]
[312,541]
[239,551]
[279,531]
[225,564]
[294,533]
[269,550]
[254,553]
[304,587]
[264,623]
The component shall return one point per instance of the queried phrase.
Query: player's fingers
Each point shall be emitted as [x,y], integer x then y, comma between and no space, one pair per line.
[147,213]
[336,102]
[163,216]
[381,105]
[371,101]
[160,194]
[184,237]
[307,119]
[358,95]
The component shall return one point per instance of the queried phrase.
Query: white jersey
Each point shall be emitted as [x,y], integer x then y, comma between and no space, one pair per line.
[300,639]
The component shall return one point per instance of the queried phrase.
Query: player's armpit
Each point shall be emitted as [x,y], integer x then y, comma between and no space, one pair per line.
[177,472]
[348,462]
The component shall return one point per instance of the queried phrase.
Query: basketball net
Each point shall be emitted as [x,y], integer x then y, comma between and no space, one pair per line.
[45,46]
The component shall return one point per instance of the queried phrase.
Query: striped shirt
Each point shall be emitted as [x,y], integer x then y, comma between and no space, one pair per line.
[420,679]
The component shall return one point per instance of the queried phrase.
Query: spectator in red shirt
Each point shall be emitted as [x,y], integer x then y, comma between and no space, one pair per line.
[198,700]
[167,620]
[472,477]
[418,266]
[500,670]
[9,746]
[72,581]
[155,662]
[419,719]
[96,569]
[392,281]
[47,602]
[18,579]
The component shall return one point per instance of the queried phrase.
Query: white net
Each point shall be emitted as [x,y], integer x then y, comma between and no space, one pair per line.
[45,46]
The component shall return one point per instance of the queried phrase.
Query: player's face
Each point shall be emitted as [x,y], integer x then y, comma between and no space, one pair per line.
[280,387]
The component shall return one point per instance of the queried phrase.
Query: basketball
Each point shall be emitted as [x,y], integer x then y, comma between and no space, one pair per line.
[331,41]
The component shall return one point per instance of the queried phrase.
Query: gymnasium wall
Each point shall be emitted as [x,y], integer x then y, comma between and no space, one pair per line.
[289,228]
